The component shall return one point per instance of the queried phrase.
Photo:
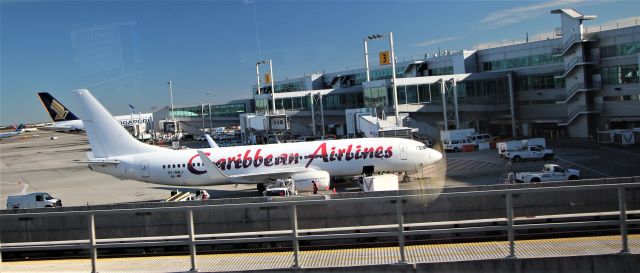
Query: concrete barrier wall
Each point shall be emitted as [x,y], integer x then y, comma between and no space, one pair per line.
[579,264]
[225,220]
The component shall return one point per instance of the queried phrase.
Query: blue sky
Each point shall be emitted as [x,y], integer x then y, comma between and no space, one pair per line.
[126,51]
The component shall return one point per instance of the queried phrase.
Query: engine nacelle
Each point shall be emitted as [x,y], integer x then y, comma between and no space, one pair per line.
[304,181]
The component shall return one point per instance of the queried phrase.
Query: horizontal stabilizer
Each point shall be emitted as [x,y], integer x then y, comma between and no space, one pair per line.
[99,161]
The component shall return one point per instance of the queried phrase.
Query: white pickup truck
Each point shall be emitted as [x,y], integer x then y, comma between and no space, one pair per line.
[550,172]
[529,153]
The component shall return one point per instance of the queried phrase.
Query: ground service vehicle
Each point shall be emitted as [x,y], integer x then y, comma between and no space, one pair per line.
[550,172]
[383,182]
[530,153]
[32,200]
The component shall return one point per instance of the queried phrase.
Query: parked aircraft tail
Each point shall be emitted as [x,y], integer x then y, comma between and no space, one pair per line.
[56,110]
[106,136]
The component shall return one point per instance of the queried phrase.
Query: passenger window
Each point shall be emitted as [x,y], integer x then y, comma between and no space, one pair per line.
[163,166]
[183,165]
[39,198]
[174,165]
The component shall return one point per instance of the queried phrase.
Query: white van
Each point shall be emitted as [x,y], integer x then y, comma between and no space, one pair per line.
[479,138]
[32,200]
[454,145]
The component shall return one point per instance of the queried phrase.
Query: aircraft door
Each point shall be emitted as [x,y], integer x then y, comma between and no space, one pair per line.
[145,169]
[403,151]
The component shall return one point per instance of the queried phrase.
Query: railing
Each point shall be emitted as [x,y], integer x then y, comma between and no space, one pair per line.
[191,239]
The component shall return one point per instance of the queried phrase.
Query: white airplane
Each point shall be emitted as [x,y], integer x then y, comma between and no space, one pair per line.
[117,153]
[63,119]
[17,130]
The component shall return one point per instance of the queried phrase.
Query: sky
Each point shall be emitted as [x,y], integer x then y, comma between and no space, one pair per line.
[126,51]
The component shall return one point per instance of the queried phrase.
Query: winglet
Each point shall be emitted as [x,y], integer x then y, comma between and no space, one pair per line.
[212,169]
[212,143]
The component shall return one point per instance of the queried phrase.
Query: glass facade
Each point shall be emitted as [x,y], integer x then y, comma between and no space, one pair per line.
[228,110]
[262,105]
[447,70]
[483,92]
[194,111]
[521,62]
[283,87]
[620,50]
[293,103]
[342,101]
[376,96]
[537,82]
[420,93]
[635,97]
[620,74]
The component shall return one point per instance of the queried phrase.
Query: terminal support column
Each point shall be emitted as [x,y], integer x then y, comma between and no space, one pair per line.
[512,104]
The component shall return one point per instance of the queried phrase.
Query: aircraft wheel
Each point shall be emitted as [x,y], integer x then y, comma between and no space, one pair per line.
[261,188]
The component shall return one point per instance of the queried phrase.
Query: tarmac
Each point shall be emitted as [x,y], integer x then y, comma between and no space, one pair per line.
[48,161]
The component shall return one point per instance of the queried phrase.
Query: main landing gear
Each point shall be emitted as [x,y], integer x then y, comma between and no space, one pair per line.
[261,188]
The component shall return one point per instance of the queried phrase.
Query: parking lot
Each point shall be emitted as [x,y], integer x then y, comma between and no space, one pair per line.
[29,164]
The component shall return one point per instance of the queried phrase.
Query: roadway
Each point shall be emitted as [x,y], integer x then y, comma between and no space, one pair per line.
[428,253]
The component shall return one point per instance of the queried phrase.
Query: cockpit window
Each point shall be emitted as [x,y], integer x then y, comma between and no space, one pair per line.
[422,147]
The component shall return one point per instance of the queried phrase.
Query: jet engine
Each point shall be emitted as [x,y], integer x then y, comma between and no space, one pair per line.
[304,181]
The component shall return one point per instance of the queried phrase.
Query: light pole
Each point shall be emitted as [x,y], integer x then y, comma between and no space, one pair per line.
[171,95]
[393,68]
[273,99]
[209,103]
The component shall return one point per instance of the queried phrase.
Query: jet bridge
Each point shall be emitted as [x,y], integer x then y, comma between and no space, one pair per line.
[365,122]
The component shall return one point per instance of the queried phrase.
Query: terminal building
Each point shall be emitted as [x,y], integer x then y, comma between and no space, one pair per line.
[573,83]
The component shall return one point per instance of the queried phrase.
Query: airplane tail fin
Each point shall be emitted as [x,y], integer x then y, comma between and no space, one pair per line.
[106,136]
[56,110]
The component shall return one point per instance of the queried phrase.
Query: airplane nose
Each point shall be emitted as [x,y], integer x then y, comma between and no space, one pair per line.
[434,155]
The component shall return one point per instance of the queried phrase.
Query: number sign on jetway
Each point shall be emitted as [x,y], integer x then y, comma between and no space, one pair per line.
[267,78]
[384,58]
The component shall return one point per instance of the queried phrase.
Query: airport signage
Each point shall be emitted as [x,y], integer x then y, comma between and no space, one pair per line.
[135,119]
[384,58]
[267,78]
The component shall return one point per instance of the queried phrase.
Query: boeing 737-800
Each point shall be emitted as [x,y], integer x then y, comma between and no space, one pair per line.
[117,153]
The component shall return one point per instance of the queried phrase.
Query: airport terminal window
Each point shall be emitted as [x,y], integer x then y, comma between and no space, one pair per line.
[228,110]
[342,101]
[635,97]
[447,70]
[483,92]
[537,82]
[620,50]
[542,59]
[620,74]
[188,111]
[375,96]
[289,87]
[262,105]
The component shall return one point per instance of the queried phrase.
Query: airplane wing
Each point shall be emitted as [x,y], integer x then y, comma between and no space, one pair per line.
[254,177]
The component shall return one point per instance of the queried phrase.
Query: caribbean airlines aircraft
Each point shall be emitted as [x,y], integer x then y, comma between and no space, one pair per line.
[117,153]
